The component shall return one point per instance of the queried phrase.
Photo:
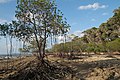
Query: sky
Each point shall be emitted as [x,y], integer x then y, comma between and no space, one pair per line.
[80,14]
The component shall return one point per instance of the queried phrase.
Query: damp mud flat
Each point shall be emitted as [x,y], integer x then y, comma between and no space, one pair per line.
[11,66]
[94,67]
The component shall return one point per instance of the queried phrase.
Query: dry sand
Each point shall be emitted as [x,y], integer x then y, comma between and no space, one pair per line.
[95,67]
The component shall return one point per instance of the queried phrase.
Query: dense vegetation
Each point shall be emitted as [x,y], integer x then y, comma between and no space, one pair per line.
[106,38]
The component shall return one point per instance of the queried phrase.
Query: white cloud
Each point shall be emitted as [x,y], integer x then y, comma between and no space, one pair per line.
[4,1]
[61,38]
[2,21]
[93,20]
[14,18]
[93,6]
[74,23]
[78,33]
[104,14]
[69,37]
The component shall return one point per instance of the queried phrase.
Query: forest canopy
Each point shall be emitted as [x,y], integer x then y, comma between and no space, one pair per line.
[105,38]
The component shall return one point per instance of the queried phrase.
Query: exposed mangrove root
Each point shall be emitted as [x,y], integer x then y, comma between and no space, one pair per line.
[46,71]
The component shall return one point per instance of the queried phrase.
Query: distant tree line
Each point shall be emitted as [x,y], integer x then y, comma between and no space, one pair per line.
[106,38]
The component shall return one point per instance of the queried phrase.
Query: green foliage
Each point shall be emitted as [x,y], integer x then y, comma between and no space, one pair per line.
[38,20]
[23,50]
[103,39]
[114,45]
[63,47]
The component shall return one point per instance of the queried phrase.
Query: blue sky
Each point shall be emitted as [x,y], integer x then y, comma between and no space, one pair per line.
[84,14]
[80,14]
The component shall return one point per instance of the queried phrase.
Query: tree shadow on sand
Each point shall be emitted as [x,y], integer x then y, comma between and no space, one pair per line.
[110,69]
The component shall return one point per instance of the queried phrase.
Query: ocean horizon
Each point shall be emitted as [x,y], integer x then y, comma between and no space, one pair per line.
[14,55]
